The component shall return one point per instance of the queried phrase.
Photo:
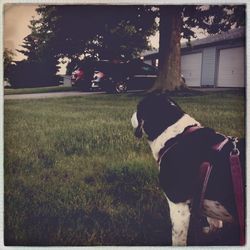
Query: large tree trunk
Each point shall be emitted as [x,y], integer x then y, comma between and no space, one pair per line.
[169,50]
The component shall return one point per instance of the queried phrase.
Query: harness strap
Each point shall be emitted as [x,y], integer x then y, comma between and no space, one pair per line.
[218,147]
[238,193]
[173,143]
[163,152]
[205,171]
[195,229]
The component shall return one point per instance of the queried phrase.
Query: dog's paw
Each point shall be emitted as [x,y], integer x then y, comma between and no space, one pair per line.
[214,225]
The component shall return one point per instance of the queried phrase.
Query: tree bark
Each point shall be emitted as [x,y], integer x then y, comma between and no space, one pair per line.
[169,78]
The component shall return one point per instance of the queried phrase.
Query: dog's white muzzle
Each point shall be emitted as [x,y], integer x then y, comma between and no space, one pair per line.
[134,120]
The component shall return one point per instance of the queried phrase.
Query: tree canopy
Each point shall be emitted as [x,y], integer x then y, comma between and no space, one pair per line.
[115,32]
[96,31]
[211,18]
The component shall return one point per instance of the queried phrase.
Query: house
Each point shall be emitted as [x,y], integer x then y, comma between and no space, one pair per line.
[215,61]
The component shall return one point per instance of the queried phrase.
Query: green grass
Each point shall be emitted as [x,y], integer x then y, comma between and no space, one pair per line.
[75,174]
[37,90]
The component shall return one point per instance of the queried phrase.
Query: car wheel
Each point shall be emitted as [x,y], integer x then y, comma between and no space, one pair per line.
[120,87]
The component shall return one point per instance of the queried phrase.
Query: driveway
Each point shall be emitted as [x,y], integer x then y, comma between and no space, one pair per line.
[47,95]
[75,93]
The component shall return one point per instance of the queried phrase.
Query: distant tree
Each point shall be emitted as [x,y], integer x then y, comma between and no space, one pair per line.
[8,56]
[33,74]
[177,21]
[41,65]
[31,43]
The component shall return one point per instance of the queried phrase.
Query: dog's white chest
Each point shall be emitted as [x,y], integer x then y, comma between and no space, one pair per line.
[171,132]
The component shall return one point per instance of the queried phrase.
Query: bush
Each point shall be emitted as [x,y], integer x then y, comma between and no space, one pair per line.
[33,74]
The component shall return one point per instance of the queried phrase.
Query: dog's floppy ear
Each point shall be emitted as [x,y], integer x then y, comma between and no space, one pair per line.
[138,130]
[137,124]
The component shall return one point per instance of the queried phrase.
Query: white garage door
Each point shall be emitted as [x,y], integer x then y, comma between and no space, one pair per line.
[231,72]
[191,69]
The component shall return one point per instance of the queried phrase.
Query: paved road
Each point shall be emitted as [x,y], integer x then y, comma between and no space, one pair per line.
[48,95]
[75,93]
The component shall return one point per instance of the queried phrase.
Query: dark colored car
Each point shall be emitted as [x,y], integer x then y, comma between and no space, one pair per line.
[114,77]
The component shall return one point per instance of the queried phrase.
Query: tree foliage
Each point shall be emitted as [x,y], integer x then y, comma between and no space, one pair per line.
[41,64]
[8,56]
[96,31]
[211,18]
[33,74]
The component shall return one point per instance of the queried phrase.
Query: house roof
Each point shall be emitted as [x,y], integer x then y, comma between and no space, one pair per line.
[211,39]
[224,36]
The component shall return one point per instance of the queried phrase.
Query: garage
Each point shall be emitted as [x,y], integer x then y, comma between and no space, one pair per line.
[231,69]
[214,61]
[191,69]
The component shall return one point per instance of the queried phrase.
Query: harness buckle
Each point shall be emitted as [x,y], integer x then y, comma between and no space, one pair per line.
[235,150]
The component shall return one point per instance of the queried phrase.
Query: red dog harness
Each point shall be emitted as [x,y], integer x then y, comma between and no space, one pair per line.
[205,171]
[236,173]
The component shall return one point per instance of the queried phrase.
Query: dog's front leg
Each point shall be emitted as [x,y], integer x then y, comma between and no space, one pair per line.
[180,216]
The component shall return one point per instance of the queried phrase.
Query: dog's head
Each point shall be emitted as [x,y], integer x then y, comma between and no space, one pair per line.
[154,114]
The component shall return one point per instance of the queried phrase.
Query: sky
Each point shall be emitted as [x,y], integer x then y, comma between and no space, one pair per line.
[16,21]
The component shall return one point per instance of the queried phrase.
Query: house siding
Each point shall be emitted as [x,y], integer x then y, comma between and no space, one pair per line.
[210,48]
[208,67]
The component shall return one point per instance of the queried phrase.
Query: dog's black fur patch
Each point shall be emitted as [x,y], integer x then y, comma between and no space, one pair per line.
[158,112]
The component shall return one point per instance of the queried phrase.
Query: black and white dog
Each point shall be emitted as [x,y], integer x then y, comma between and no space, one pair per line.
[179,155]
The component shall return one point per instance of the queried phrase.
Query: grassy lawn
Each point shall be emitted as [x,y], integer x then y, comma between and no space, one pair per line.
[37,90]
[75,174]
